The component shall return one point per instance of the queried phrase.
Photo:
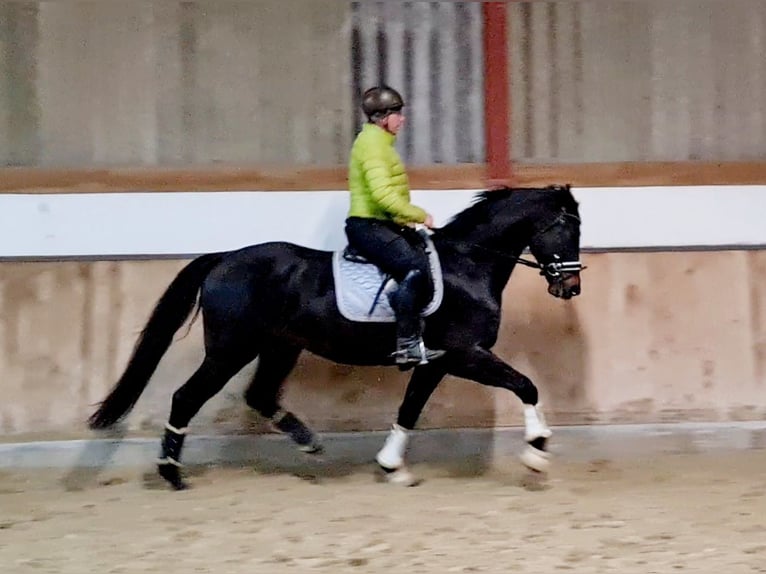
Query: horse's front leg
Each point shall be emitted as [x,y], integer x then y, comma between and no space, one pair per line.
[480,365]
[391,458]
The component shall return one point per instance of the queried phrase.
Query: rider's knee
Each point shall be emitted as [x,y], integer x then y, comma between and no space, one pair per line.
[421,284]
[414,278]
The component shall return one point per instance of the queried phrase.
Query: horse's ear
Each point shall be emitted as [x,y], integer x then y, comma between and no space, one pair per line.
[559,187]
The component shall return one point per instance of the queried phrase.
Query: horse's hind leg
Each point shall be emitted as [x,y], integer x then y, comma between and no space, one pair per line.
[263,394]
[209,378]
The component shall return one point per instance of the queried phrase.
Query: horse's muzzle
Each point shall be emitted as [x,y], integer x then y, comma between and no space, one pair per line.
[566,286]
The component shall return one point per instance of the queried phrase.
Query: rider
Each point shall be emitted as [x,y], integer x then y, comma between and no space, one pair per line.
[381,219]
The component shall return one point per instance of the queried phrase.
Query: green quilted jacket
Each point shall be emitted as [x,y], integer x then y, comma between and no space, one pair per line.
[377,181]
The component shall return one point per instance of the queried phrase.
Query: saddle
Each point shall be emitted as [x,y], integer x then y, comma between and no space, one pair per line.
[361,288]
[351,254]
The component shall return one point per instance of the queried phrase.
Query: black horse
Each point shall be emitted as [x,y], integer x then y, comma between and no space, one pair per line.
[273,300]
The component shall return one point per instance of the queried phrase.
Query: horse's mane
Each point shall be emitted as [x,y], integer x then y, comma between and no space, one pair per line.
[483,201]
[563,194]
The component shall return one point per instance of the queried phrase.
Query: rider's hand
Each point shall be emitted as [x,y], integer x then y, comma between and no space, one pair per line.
[429,222]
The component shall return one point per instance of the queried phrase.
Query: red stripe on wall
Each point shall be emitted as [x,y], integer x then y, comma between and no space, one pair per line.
[497,98]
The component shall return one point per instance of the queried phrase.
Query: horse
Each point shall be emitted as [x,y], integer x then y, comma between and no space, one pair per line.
[273,300]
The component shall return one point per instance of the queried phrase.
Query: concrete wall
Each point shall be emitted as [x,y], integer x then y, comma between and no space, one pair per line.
[638,80]
[158,83]
[433,53]
[147,83]
[666,336]
[657,335]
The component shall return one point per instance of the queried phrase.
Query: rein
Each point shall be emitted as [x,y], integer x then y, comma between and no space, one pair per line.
[553,269]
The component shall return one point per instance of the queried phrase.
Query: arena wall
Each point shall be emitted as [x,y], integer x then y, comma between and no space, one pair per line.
[202,82]
[670,326]
[118,122]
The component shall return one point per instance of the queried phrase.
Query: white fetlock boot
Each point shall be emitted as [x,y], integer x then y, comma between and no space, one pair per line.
[536,456]
[391,458]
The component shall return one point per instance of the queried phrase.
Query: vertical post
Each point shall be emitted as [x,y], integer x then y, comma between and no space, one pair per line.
[497,117]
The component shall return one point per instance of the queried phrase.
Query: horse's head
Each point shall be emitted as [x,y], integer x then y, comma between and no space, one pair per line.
[504,221]
[555,243]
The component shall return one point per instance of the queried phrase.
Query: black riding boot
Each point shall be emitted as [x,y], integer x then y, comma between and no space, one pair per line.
[410,348]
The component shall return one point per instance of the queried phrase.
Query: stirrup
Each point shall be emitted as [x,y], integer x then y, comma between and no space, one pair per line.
[416,353]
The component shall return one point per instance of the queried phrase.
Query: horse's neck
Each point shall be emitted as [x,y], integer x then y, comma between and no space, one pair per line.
[508,242]
[502,269]
[497,261]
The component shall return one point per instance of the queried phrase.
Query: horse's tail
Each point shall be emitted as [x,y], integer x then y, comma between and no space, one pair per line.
[171,311]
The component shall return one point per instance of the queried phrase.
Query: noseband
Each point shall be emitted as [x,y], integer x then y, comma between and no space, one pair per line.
[556,268]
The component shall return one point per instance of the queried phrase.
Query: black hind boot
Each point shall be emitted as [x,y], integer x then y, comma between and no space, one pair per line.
[292,426]
[410,348]
[169,465]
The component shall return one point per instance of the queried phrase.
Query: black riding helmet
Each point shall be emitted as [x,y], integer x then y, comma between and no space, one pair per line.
[380,101]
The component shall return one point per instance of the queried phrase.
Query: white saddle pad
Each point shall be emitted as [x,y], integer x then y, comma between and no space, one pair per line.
[357,284]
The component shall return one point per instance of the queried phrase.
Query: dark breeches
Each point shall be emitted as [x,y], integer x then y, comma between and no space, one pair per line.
[396,250]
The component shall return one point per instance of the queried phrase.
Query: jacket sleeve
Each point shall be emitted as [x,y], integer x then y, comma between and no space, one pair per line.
[377,172]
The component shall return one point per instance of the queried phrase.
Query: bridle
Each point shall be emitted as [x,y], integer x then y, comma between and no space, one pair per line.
[557,267]
[553,269]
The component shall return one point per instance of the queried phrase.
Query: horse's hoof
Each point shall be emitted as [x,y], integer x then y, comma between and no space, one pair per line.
[172,474]
[536,459]
[314,448]
[398,476]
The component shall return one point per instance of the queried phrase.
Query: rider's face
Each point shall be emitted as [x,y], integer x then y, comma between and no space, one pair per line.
[394,122]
